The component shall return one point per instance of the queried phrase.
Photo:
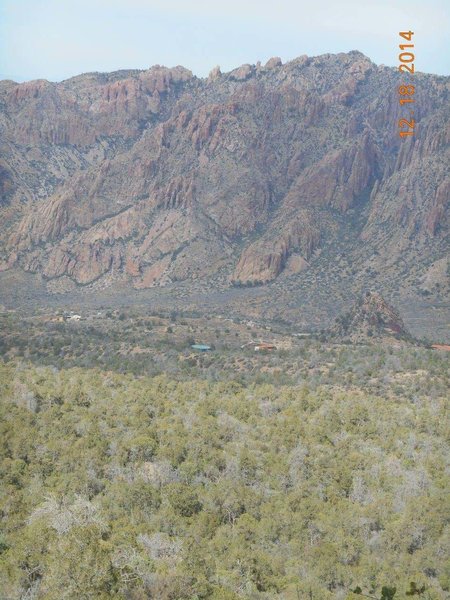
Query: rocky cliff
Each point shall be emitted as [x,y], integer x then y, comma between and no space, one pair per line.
[151,177]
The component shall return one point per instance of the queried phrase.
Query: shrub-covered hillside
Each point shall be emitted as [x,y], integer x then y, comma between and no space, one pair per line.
[136,488]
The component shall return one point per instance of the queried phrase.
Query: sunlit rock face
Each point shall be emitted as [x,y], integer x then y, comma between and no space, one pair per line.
[157,176]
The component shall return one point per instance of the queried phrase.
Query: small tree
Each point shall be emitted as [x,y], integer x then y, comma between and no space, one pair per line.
[387,593]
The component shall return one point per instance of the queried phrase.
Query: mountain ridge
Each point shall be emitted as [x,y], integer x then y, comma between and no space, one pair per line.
[154,177]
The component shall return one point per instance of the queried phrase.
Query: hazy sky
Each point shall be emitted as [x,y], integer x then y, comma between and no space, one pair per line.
[55,39]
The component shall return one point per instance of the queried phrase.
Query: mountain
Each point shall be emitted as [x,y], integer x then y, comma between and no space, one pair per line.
[371,317]
[293,174]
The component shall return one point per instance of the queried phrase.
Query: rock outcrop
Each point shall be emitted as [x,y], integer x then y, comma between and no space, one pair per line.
[156,176]
[370,319]
[273,62]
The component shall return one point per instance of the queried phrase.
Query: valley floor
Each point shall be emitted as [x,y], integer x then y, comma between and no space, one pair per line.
[135,467]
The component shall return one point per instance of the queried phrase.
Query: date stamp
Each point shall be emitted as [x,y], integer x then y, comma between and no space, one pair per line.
[406,91]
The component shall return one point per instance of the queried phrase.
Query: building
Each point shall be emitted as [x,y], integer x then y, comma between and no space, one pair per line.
[258,346]
[264,347]
[444,347]
[201,347]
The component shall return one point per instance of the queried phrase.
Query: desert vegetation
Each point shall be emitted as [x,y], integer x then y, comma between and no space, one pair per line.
[118,486]
[142,344]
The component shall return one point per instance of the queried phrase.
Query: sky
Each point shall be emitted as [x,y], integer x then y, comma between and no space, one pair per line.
[56,39]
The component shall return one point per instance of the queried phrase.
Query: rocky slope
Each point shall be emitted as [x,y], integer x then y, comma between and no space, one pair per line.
[145,178]
[370,318]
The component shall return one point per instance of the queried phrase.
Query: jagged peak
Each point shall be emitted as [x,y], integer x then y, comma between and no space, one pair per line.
[371,316]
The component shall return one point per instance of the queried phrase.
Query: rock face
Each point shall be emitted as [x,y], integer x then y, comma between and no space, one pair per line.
[156,176]
[371,318]
[273,62]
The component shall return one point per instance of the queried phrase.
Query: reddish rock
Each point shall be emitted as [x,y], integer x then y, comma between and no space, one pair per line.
[273,62]
[371,318]
[214,74]
[242,73]
[240,176]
